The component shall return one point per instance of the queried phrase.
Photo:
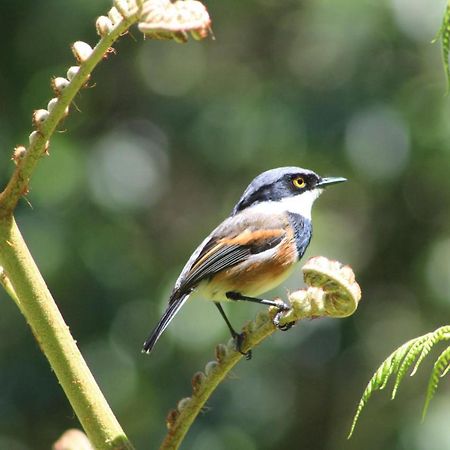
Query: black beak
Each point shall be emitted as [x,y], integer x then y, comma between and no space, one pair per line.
[324,182]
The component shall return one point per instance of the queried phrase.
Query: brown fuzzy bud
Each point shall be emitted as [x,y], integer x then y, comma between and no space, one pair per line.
[171,418]
[59,84]
[210,367]
[72,71]
[39,117]
[33,136]
[81,51]
[103,26]
[115,16]
[183,403]
[19,153]
[221,352]
[51,106]
[197,381]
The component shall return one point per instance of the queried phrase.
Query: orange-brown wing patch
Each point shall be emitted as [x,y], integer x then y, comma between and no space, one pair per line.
[207,255]
[228,252]
[256,239]
[261,275]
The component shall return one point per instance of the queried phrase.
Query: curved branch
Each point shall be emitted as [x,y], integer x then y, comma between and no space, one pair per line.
[55,340]
[19,274]
[18,184]
[333,292]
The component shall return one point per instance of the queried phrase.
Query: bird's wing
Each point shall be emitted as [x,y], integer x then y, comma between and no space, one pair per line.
[233,241]
[224,249]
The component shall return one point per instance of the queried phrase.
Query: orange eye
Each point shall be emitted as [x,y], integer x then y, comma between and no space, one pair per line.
[299,182]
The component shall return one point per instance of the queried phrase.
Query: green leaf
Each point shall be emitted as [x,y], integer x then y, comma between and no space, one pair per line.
[422,346]
[444,35]
[380,378]
[440,368]
[401,360]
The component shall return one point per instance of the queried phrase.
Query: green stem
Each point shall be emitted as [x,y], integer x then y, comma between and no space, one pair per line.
[8,287]
[216,373]
[55,340]
[18,184]
[23,282]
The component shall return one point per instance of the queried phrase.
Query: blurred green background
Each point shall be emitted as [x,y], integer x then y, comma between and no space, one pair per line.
[156,154]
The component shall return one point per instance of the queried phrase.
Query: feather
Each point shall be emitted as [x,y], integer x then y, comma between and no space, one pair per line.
[174,306]
[224,253]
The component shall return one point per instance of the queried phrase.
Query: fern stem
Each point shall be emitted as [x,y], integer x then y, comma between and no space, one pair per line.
[18,183]
[55,340]
[23,282]
[216,373]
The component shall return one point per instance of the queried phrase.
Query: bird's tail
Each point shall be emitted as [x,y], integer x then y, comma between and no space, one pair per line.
[174,306]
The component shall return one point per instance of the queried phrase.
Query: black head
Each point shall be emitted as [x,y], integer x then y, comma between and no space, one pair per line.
[277,184]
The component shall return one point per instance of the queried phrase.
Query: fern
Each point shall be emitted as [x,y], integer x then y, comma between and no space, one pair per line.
[444,35]
[420,348]
[401,360]
[441,367]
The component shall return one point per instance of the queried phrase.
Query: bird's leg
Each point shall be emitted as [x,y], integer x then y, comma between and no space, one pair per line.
[276,321]
[238,337]
[278,304]
[239,297]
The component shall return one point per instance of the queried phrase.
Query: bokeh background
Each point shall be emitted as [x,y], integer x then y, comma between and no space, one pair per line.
[157,152]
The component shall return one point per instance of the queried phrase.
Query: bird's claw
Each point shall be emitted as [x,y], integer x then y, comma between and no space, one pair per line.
[286,326]
[276,321]
[239,340]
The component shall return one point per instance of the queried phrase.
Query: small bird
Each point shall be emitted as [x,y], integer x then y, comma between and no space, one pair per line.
[255,249]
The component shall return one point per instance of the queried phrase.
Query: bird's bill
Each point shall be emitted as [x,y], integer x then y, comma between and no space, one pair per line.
[324,182]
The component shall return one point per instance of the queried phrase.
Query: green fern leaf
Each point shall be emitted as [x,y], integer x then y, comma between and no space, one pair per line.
[380,378]
[442,333]
[401,360]
[426,348]
[444,35]
[440,367]
[395,359]
[445,371]
[418,348]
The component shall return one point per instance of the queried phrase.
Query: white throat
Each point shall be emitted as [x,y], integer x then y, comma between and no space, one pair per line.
[298,204]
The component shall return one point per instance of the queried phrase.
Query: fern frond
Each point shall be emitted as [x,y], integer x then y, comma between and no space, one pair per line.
[426,348]
[394,361]
[445,371]
[380,378]
[420,348]
[444,35]
[441,334]
[441,366]
[401,360]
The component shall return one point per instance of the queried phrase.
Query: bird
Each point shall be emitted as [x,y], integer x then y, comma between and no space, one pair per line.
[253,250]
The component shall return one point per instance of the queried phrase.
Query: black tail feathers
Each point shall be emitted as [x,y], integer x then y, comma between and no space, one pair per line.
[169,314]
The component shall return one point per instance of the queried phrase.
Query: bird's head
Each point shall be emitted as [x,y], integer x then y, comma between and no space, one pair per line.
[290,189]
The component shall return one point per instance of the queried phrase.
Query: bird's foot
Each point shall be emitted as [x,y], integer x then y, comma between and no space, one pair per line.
[239,341]
[277,318]
[278,303]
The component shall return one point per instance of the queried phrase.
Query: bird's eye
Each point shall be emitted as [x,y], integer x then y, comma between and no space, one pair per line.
[299,182]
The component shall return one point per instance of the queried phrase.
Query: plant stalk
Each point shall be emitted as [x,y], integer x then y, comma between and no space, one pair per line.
[55,340]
